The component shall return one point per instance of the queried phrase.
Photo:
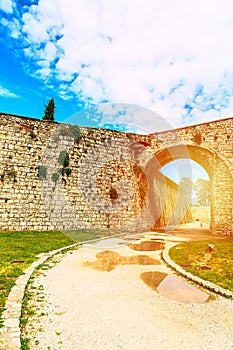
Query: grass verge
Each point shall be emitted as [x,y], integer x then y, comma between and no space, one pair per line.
[215,266]
[19,249]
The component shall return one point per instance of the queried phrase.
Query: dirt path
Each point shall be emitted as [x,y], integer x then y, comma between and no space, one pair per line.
[95,298]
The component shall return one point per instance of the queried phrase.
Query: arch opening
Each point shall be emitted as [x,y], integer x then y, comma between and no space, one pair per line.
[195,183]
[220,178]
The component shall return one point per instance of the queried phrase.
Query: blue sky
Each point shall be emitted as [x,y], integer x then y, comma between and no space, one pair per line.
[182,168]
[174,58]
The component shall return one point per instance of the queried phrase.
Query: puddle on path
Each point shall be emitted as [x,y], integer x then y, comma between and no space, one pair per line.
[108,260]
[174,288]
[146,246]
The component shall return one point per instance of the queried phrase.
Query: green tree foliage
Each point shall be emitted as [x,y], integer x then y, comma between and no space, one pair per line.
[201,188]
[202,191]
[49,110]
[186,188]
[64,160]
[55,177]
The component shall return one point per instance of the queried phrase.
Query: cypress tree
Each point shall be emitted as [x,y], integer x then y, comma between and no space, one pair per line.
[49,110]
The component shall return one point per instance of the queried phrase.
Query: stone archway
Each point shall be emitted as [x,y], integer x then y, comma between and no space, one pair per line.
[220,178]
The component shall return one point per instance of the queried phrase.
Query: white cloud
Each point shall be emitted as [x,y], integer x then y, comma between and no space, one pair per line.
[13,26]
[156,54]
[6,93]
[6,6]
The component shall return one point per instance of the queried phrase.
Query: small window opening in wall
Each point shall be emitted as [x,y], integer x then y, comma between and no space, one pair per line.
[215,137]
[6,200]
[228,136]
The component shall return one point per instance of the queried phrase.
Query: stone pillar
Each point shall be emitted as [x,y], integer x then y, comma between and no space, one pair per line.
[221,208]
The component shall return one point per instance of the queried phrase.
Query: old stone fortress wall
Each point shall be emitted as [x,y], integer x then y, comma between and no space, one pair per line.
[58,176]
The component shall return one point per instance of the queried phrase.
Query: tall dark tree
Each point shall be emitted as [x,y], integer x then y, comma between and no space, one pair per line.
[49,110]
[203,191]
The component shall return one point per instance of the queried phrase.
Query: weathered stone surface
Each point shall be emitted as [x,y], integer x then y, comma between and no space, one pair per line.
[103,163]
[12,323]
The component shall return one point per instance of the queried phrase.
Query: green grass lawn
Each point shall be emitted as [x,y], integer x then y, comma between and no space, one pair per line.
[220,261]
[25,246]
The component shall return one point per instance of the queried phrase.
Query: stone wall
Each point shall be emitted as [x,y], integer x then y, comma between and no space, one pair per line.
[113,178]
[102,186]
[201,213]
[21,206]
[174,210]
[210,145]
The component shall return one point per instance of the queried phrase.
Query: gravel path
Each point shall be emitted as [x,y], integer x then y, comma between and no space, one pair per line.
[79,307]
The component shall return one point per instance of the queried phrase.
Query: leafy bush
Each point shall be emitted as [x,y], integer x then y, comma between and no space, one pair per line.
[55,177]
[32,134]
[75,131]
[63,158]
[42,171]
[66,171]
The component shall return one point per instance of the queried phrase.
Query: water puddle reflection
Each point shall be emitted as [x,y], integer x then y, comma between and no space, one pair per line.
[146,246]
[174,288]
[108,260]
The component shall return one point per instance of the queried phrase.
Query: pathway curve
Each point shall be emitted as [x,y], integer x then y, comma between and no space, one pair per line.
[92,300]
